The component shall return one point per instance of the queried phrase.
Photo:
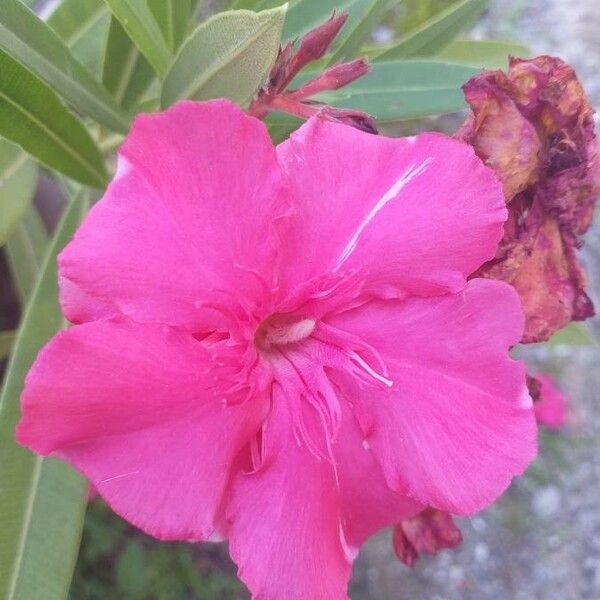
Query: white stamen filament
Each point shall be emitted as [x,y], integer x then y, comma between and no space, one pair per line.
[364,365]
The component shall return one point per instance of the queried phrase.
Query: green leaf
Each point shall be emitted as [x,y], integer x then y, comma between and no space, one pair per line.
[437,32]
[485,54]
[305,15]
[403,89]
[43,500]
[30,41]
[574,334]
[18,179]
[173,17]
[229,55]
[281,126]
[83,27]
[245,4]
[131,571]
[32,116]
[25,251]
[127,74]
[7,339]
[138,21]
[363,18]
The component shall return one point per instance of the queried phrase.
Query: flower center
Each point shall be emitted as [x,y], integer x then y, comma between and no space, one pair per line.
[281,329]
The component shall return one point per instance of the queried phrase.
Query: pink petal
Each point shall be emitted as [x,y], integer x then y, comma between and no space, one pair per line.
[131,407]
[551,410]
[420,214]
[286,533]
[457,424]
[367,503]
[190,212]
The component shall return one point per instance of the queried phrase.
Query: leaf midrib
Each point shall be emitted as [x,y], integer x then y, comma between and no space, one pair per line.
[13,166]
[219,65]
[98,177]
[70,81]
[393,90]
[90,22]
[31,498]
[129,67]
[448,17]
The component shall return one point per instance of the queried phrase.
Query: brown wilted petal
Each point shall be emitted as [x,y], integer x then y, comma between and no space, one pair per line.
[535,258]
[429,532]
[500,134]
[356,118]
[534,126]
[534,386]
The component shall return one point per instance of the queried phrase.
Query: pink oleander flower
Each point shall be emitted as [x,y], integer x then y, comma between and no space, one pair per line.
[426,533]
[278,346]
[551,407]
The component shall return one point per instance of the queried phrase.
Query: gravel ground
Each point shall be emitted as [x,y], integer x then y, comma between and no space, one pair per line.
[541,541]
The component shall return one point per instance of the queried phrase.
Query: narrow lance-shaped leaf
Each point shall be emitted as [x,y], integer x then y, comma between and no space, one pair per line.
[42,501]
[574,334]
[126,73]
[437,32]
[7,339]
[25,251]
[305,15]
[31,41]
[245,4]
[488,54]
[83,27]
[173,18]
[229,55]
[366,14]
[32,116]
[139,22]
[397,90]
[18,178]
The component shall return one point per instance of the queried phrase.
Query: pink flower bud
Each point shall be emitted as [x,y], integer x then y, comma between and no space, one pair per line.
[333,78]
[316,42]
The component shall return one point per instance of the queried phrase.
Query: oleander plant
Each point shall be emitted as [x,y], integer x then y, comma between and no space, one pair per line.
[250,297]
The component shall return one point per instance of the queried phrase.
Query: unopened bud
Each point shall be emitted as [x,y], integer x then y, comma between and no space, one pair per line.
[333,78]
[316,42]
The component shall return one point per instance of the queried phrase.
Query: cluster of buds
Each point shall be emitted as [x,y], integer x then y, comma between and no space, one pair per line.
[534,126]
[292,58]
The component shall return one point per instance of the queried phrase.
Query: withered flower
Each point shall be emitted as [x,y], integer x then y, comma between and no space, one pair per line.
[427,533]
[534,126]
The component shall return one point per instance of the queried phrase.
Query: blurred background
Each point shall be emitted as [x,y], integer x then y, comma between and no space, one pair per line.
[540,541]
